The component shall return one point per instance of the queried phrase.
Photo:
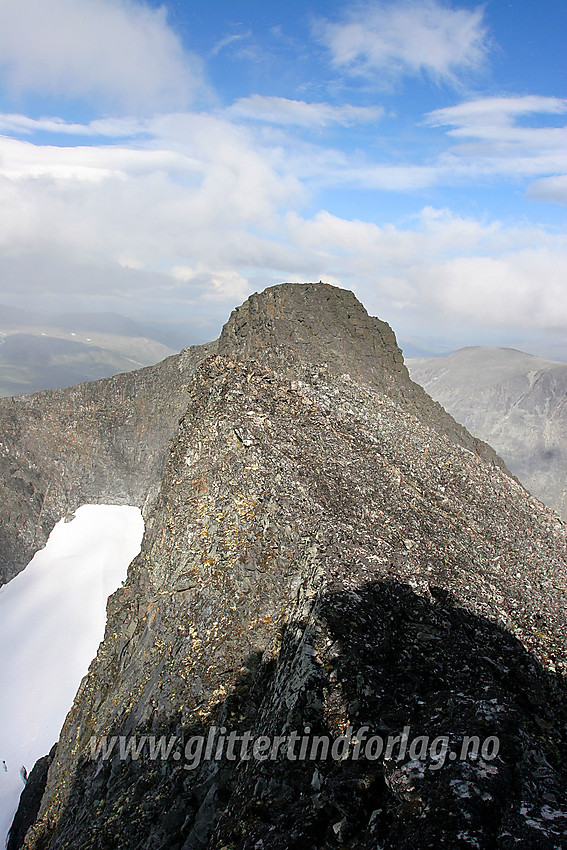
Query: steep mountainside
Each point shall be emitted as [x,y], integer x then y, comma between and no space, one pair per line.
[98,442]
[107,441]
[326,551]
[514,401]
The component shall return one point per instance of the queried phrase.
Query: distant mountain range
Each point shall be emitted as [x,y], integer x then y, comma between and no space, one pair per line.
[40,351]
[514,401]
[174,335]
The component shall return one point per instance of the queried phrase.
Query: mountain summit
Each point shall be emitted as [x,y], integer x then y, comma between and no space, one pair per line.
[107,441]
[347,618]
[313,323]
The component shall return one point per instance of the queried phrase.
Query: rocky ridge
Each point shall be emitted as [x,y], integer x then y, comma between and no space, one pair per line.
[327,550]
[104,441]
[107,441]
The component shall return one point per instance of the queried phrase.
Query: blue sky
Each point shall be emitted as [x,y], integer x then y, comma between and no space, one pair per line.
[164,160]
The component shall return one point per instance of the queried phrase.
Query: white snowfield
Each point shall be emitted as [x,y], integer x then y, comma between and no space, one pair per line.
[52,619]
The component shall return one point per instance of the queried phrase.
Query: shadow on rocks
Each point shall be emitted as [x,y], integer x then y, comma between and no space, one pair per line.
[385,660]
[391,661]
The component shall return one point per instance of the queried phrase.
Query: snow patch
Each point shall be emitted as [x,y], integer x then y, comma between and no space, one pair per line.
[52,619]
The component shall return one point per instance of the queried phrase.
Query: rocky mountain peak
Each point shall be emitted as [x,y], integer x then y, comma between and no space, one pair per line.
[321,560]
[314,323]
[329,554]
[107,441]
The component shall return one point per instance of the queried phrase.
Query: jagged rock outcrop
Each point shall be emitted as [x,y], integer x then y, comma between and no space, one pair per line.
[325,552]
[104,441]
[515,401]
[293,324]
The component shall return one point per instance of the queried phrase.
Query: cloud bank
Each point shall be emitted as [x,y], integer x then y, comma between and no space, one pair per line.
[199,207]
[155,204]
[117,52]
[282,110]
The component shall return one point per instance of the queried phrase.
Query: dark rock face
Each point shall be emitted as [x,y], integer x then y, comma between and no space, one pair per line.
[98,442]
[107,441]
[325,553]
[30,800]
[314,323]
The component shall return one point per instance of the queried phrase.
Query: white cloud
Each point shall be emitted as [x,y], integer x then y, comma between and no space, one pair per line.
[495,110]
[281,110]
[444,268]
[215,284]
[104,127]
[392,39]
[434,233]
[488,144]
[549,189]
[23,160]
[228,40]
[492,143]
[191,209]
[501,291]
[197,192]
[490,126]
[118,52]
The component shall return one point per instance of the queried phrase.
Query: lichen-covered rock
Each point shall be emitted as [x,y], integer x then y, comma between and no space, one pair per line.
[326,553]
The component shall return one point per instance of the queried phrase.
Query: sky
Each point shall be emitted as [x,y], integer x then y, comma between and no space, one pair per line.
[52,619]
[165,160]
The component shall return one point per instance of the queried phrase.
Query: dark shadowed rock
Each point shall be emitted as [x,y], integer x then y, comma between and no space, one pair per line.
[30,800]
